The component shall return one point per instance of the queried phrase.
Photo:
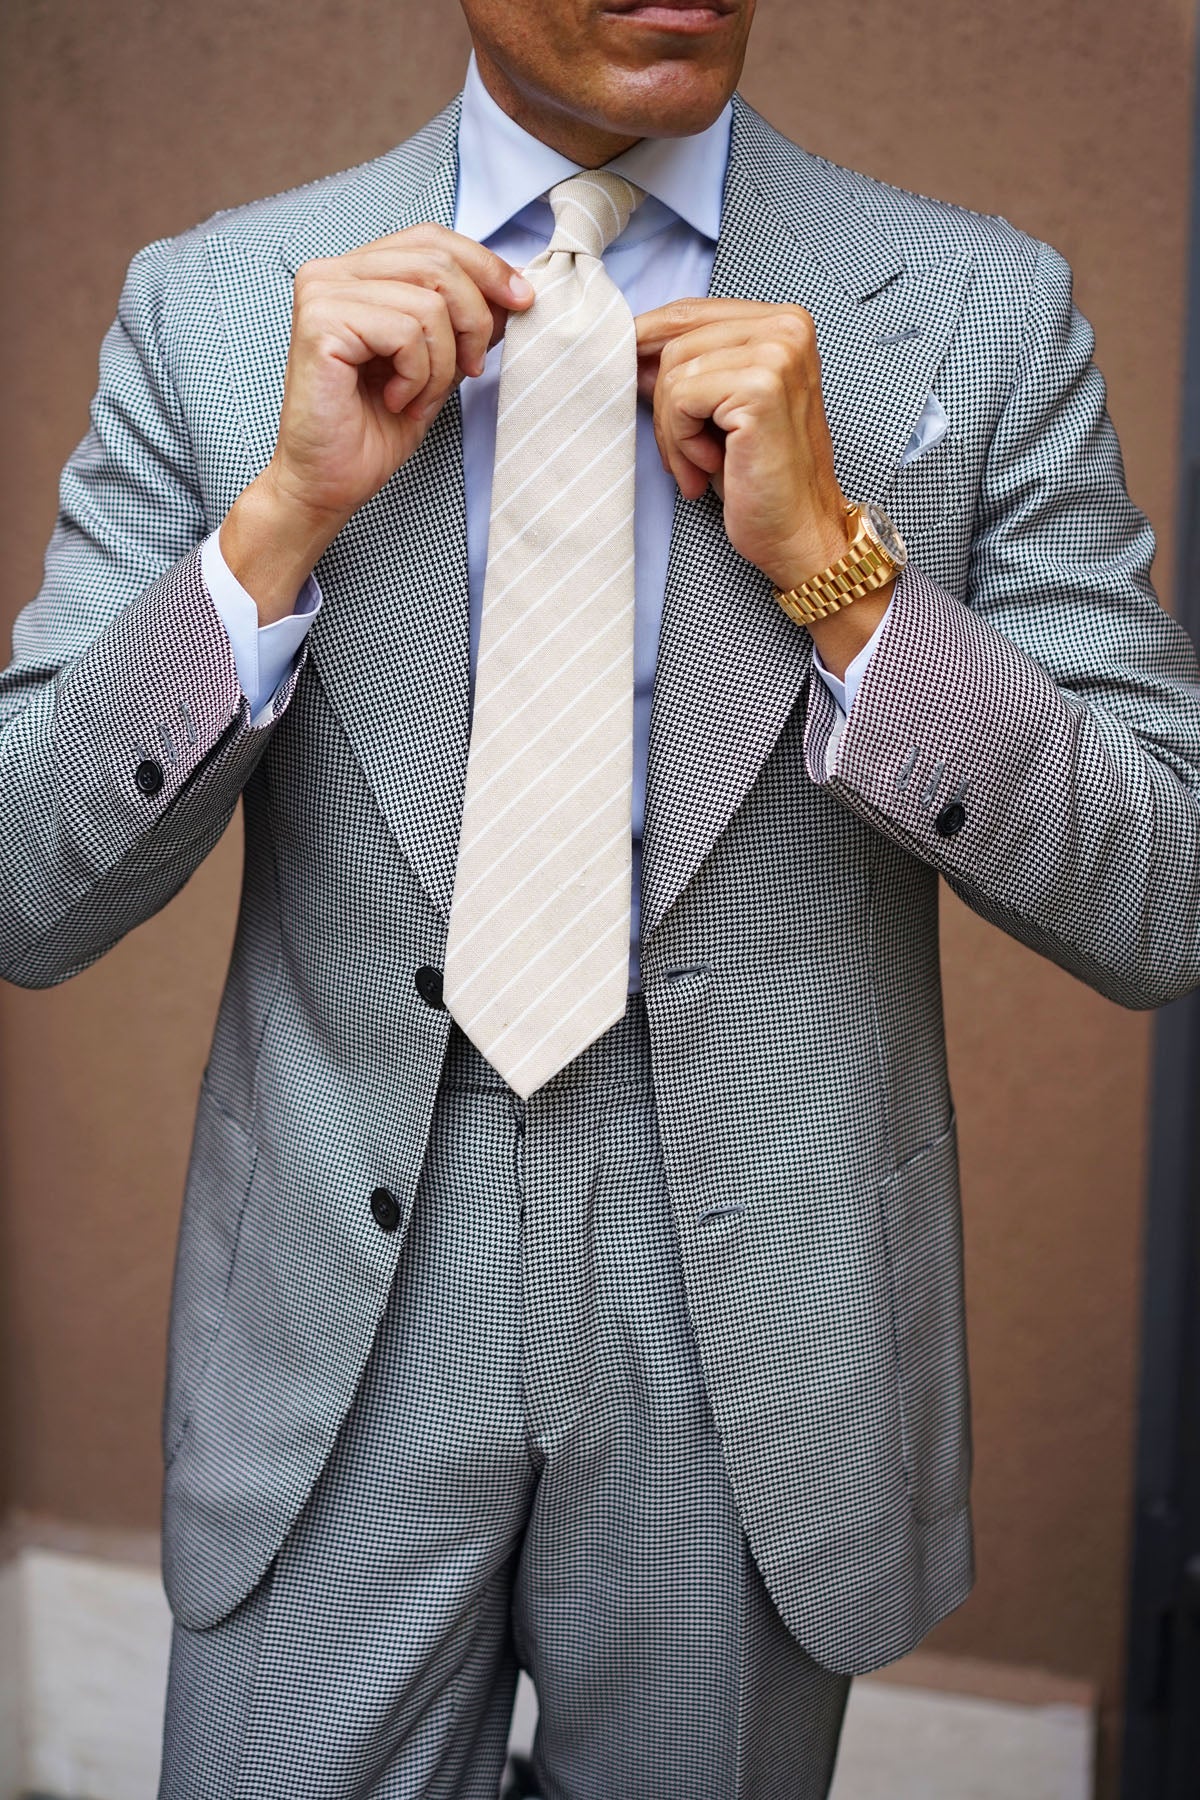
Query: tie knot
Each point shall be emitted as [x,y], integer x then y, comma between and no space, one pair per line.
[590,210]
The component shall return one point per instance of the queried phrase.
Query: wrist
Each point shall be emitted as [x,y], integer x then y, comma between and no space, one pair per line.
[842,604]
[839,638]
[800,557]
[271,545]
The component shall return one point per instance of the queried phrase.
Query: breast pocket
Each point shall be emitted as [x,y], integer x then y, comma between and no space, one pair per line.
[928,489]
[922,1228]
[220,1174]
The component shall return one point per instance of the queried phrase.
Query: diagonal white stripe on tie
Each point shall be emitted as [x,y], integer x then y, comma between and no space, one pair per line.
[537,952]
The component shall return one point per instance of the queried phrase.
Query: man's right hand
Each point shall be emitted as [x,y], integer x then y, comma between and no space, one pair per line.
[380,336]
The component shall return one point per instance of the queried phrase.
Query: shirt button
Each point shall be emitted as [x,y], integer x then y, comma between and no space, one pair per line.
[149,778]
[428,983]
[951,819]
[385,1208]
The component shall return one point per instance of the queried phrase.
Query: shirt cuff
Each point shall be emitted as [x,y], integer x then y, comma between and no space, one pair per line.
[264,654]
[845,688]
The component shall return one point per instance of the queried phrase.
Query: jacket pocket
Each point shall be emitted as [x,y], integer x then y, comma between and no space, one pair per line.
[922,1227]
[929,489]
[220,1173]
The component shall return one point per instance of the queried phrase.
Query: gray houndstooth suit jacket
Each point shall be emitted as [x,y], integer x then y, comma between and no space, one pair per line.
[1029,728]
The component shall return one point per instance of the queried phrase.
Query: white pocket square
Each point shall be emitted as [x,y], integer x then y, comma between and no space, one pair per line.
[929,430]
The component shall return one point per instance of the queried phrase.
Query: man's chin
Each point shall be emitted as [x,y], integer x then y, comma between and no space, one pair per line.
[665,101]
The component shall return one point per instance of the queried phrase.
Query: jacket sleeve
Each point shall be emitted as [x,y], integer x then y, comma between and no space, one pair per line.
[1040,744]
[125,738]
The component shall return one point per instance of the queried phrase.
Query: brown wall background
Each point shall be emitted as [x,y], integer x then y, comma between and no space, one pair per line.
[131,121]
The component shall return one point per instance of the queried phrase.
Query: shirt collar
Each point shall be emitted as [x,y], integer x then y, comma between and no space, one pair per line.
[501,168]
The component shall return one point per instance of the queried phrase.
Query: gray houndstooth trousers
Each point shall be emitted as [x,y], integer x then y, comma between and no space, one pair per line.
[529,1475]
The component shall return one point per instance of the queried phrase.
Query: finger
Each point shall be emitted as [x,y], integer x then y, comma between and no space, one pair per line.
[496,279]
[647,375]
[477,321]
[691,450]
[374,337]
[691,468]
[499,321]
[704,340]
[780,349]
[695,453]
[662,324]
[766,342]
[472,315]
[729,385]
[687,476]
[426,306]
[699,401]
[349,330]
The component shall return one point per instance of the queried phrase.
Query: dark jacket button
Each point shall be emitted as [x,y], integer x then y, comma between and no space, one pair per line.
[385,1208]
[428,984]
[149,777]
[951,819]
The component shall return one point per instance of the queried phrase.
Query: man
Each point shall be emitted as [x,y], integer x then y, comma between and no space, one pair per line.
[519,1321]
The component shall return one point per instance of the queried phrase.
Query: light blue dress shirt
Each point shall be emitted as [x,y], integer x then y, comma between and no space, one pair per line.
[665,253]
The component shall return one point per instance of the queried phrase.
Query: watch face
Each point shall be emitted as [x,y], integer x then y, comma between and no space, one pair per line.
[886,532]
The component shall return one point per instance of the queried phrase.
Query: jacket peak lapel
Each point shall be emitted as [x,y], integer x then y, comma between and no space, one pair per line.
[390,644]
[415,180]
[731,665]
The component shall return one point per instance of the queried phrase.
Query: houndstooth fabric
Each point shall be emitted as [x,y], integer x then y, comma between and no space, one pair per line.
[1029,725]
[537,950]
[570,1513]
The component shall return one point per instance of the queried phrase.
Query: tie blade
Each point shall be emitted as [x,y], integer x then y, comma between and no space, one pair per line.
[515,875]
[538,955]
[552,1037]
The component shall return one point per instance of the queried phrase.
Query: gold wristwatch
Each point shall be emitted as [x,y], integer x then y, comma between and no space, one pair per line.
[874,554]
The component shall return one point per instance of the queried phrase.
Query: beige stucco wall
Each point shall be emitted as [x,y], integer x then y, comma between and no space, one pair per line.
[130,121]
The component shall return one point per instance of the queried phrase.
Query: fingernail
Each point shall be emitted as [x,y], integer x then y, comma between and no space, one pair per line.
[519,288]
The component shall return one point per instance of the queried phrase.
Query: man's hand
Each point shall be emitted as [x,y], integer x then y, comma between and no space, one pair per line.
[380,336]
[737,401]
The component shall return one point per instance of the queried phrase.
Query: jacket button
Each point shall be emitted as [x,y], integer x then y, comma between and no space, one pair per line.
[385,1209]
[951,819]
[149,778]
[428,983]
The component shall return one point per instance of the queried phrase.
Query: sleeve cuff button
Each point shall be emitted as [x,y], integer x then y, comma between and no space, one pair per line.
[148,777]
[951,819]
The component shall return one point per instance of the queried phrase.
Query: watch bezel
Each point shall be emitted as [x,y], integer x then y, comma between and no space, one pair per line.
[871,512]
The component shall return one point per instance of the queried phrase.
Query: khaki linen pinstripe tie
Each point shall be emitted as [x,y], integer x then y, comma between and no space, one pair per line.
[537,956]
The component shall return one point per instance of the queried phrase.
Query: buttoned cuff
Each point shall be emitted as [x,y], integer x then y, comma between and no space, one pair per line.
[265,655]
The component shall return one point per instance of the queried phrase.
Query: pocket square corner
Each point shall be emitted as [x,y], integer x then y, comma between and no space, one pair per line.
[929,430]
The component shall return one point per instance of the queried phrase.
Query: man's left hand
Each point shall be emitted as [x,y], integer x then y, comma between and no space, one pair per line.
[736,386]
